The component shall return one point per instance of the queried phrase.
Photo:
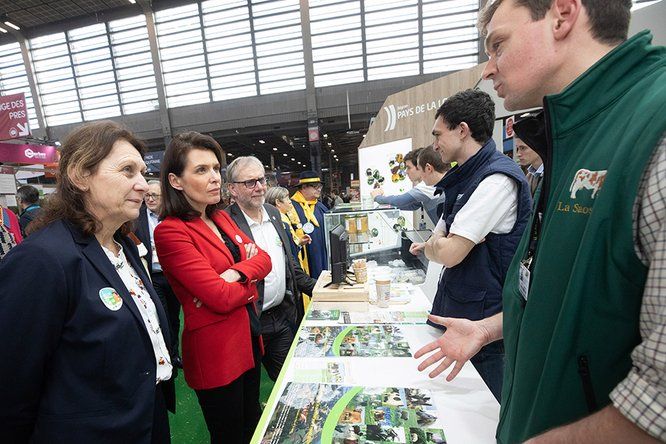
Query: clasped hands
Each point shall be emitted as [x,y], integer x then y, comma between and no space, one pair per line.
[230,275]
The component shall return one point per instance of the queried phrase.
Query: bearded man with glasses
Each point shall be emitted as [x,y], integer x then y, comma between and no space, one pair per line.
[280,292]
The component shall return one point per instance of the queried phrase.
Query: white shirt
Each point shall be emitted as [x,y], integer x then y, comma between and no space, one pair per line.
[492,208]
[428,190]
[267,238]
[535,171]
[147,309]
[430,204]
[153,221]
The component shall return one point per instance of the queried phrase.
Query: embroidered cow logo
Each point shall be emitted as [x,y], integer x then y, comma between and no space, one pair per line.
[587,180]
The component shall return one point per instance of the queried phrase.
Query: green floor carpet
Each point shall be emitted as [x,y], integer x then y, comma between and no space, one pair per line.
[187,425]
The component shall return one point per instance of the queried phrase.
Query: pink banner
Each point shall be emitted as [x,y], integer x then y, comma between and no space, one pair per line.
[13,117]
[21,153]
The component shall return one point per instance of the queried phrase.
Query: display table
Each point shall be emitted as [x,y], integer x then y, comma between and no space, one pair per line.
[303,406]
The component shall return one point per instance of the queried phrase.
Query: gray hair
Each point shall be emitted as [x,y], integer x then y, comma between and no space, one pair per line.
[273,194]
[238,164]
[154,182]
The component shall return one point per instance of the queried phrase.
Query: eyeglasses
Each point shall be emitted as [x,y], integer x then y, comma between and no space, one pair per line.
[252,183]
[153,196]
[316,186]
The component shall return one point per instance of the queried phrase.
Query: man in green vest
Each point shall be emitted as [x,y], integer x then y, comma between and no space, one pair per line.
[584,320]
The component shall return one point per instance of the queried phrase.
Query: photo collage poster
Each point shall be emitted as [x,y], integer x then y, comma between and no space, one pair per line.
[325,413]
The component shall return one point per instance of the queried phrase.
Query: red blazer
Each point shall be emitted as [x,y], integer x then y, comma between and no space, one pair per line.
[13,227]
[217,345]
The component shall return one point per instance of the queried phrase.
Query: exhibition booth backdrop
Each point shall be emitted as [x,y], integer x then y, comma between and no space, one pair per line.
[405,120]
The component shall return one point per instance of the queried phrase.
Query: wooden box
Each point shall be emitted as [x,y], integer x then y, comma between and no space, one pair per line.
[338,292]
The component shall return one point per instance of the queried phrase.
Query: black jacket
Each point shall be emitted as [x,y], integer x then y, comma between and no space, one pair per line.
[28,215]
[297,280]
[74,369]
[142,231]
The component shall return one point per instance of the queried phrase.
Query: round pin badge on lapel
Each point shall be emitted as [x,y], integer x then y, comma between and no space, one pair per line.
[110,298]
[239,239]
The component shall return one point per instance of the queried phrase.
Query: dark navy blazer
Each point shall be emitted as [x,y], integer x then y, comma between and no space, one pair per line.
[297,280]
[73,370]
[142,231]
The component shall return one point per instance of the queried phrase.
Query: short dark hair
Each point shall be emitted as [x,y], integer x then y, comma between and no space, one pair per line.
[472,106]
[174,202]
[609,19]
[412,156]
[28,194]
[82,151]
[432,157]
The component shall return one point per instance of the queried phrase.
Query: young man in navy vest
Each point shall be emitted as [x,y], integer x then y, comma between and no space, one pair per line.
[485,212]
[584,301]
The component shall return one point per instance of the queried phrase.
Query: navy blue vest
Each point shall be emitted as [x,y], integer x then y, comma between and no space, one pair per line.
[473,288]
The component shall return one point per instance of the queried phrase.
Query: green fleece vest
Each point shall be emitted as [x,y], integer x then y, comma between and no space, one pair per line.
[569,345]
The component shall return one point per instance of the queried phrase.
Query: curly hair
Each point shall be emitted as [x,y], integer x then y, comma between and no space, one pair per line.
[472,106]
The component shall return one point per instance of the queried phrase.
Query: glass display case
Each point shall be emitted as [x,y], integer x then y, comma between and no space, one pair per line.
[380,236]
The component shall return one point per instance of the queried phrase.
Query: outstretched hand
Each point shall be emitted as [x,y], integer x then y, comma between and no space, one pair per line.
[461,340]
[376,192]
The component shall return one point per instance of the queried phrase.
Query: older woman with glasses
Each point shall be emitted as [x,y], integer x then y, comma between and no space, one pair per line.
[279,198]
[212,267]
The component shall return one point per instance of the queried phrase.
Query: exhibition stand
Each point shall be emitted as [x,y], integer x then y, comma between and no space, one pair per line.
[351,377]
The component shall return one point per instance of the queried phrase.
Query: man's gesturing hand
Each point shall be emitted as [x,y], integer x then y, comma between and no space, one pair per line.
[461,340]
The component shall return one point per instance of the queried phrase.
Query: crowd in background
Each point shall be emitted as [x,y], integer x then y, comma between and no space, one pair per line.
[553,276]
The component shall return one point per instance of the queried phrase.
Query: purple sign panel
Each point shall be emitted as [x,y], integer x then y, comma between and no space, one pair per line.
[21,153]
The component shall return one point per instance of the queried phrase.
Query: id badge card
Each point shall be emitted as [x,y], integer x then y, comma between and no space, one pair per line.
[524,281]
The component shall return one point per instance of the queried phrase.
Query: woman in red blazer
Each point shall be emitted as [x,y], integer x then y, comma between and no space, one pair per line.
[212,267]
